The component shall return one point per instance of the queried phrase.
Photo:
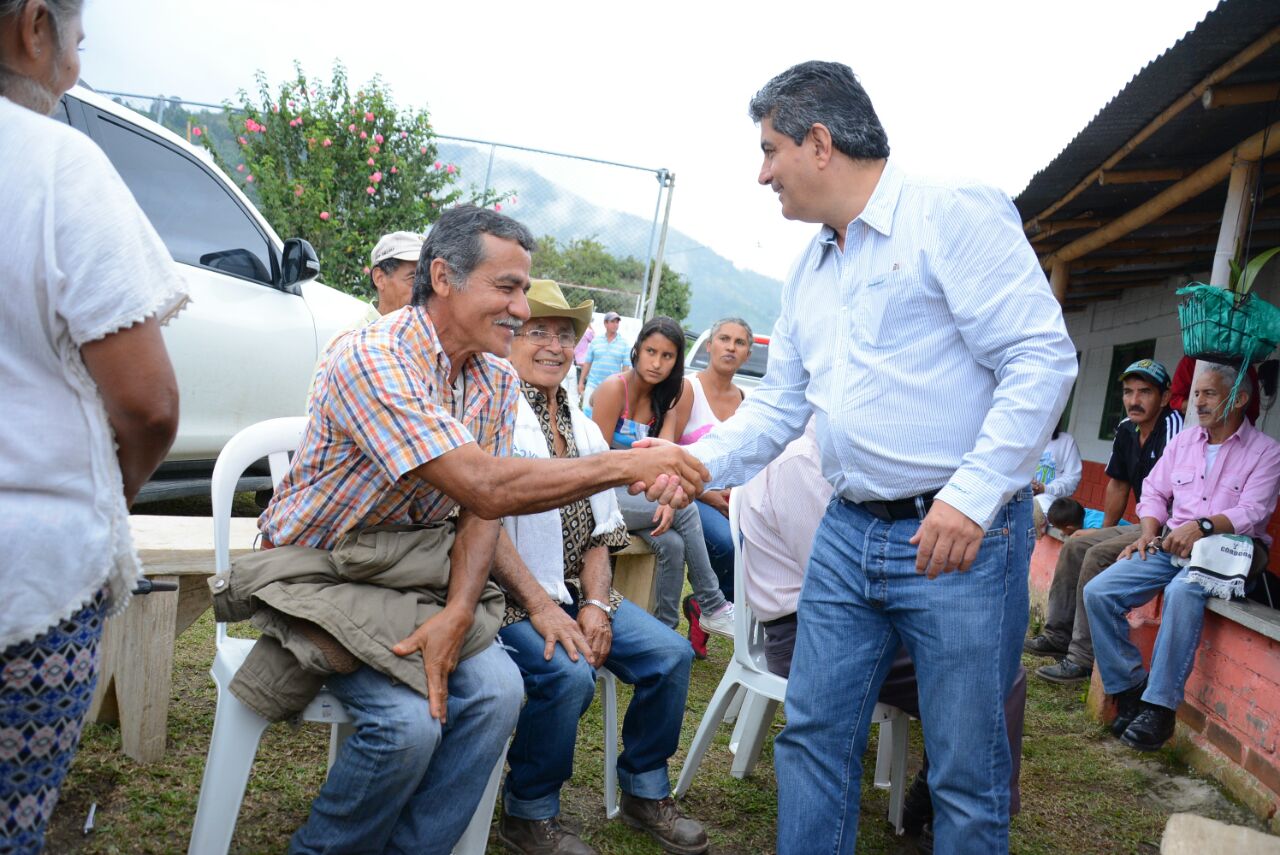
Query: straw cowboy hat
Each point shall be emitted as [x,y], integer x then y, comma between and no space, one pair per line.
[547,301]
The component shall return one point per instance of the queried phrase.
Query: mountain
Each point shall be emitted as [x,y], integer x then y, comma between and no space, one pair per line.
[718,287]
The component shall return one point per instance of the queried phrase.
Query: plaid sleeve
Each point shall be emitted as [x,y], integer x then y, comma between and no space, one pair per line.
[389,408]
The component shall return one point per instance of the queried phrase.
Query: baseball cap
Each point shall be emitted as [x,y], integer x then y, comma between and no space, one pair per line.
[403,246]
[611,316]
[1150,369]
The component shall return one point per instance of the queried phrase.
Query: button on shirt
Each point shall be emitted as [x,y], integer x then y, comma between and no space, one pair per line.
[930,349]
[382,405]
[607,358]
[1242,484]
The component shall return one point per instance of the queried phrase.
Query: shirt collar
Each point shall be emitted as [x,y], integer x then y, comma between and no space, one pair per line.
[1243,432]
[537,400]
[478,379]
[877,214]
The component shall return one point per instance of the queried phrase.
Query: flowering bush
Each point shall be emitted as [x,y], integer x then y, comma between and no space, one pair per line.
[339,169]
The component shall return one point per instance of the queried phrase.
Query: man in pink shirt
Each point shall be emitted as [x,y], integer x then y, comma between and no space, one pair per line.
[1218,478]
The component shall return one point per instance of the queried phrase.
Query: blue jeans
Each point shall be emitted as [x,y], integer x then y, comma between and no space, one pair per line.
[1125,585]
[719,540]
[645,654]
[402,782]
[862,599]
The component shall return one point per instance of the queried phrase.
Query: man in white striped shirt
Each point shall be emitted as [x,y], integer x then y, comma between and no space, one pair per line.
[920,331]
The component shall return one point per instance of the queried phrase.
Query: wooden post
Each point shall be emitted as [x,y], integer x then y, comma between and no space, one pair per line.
[1059,279]
[1235,219]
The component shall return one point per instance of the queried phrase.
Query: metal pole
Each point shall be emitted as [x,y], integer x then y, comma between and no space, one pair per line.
[652,303]
[488,171]
[653,231]
[160,115]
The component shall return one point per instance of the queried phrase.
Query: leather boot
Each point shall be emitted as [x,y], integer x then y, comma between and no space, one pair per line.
[666,823]
[1151,729]
[1128,705]
[540,837]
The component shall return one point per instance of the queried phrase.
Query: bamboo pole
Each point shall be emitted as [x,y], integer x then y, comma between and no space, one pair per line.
[1247,93]
[1262,144]
[1139,176]
[1059,280]
[1240,60]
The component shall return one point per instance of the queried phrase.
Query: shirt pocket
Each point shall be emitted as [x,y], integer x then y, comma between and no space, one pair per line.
[1182,478]
[881,310]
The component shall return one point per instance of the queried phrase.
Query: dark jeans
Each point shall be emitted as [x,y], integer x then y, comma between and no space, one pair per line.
[1082,558]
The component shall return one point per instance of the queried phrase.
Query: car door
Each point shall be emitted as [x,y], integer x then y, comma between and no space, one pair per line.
[243,350]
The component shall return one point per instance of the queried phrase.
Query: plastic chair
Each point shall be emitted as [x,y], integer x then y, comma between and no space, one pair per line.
[236,728]
[748,684]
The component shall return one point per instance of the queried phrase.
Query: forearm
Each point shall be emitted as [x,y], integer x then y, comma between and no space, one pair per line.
[1117,497]
[470,560]
[596,575]
[514,576]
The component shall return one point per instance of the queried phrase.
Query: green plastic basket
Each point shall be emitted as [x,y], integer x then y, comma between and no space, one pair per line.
[1219,326]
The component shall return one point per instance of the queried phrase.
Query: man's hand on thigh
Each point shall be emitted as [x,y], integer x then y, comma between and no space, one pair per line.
[439,640]
[947,540]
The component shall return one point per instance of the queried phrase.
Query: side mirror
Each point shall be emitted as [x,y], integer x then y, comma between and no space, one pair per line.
[299,264]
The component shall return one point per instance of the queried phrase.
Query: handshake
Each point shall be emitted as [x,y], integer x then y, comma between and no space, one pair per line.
[664,472]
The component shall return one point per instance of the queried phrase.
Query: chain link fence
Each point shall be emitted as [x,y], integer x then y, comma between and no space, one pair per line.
[601,225]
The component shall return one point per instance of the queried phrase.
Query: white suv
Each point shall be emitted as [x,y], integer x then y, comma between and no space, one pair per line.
[751,372]
[246,346]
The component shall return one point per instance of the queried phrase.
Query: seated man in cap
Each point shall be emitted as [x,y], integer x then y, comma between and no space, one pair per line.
[1219,478]
[1140,440]
[606,356]
[391,267]
[564,620]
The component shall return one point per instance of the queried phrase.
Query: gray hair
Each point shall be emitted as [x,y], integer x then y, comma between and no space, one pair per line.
[715,328]
[1229,374]
[24,90]
[826,93]
[456,239]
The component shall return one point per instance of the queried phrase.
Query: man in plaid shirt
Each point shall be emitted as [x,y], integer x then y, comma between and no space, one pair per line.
[411,421]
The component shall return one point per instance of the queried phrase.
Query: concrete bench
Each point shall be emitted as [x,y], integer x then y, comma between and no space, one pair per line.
[136,656]
[635,573]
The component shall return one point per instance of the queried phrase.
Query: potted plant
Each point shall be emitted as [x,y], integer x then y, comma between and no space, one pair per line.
[1230,325]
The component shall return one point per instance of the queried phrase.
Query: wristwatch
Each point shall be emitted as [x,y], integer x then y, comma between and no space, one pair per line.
[1206,526]
[605,607]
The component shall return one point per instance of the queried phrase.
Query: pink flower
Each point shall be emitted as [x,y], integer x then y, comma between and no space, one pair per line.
[275,108]
[423,149]
[250,125]
[351,128]
[363,135]
[370,190]
[326,142]
[313,93]
[239,167]
[513,200]
[404,135]
[377,138]
[369,161]
[438,164]
[375,149]
[497,206]
[249,178]
[393,170]
[368,117]
[324,215]
[242,141]
[311,141]
[365,271]
[297,191]
[451,169]
[375,177]
[291,105]
[195,132]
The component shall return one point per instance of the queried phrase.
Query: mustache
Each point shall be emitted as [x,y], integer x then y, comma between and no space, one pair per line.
[512,323]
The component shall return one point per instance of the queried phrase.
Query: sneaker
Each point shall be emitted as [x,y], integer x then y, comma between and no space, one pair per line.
[917,806]
[720,621]
[540,837]
[1128,705]
[697,636]
[1151,729]
[1065,671]
[665,823]
[1042,646]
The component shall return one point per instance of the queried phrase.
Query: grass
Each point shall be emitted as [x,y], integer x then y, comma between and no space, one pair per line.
[1077,794]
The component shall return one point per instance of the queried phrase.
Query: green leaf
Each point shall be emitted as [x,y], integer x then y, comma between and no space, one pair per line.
[1252,269]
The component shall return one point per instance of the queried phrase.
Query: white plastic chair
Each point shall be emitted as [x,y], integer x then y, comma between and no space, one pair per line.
[749,685]
[236,728]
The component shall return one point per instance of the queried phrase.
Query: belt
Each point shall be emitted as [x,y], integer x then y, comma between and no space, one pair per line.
[911,508]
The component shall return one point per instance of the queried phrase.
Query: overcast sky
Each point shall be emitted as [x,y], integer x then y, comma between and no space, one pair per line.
[991,89]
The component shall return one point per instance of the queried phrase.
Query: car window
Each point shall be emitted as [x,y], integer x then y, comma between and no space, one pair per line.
[755,365]
[199,221]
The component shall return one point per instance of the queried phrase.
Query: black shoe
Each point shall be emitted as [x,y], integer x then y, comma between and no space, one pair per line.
[917,806]
[924,843]
[1064,672]
[666,823]
[1128,705]
[1151,729]
[1042,646]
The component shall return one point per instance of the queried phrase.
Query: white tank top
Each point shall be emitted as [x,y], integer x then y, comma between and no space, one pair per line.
[701,417]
